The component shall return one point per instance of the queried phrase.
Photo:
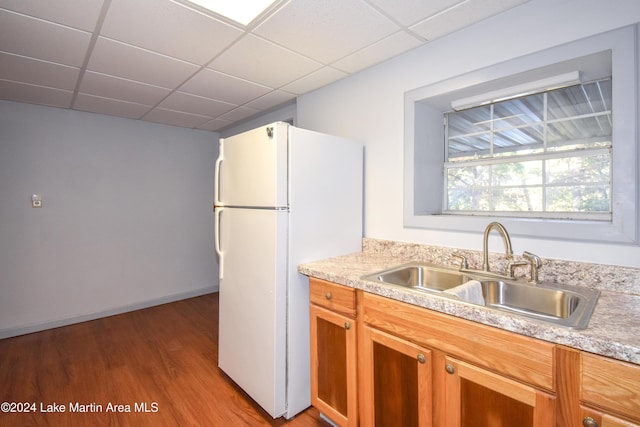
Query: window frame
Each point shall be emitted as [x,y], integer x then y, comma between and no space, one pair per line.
[424,142]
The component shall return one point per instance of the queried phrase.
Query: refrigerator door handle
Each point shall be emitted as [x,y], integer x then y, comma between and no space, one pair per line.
[218,246]
[216,184]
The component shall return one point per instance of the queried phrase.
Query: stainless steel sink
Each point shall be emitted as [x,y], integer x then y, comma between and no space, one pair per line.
[423,277]
[564,305]
[570,306]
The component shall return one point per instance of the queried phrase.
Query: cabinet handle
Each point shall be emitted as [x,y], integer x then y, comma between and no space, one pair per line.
[450,368]
[589,422]
[421,358]
[328,295]
[347,325]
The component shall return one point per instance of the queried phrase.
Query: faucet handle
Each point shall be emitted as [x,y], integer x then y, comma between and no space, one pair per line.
[511,266]
[464,264]
[536,263]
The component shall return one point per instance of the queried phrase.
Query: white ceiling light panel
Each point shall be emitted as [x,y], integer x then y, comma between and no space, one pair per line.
[240,11]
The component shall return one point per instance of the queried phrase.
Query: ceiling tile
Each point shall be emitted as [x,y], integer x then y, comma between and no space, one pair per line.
[462,15]
[81,14]
[123,60]
[32,94]
[40,39]
[315,80]
[263,62]
[125,90]
[409,12]
[168,28]
[33,71]
[272,99]
[176,118]
[377,52]
[222,87]
[113,107]
[168,61]
[193,104]
[326,30]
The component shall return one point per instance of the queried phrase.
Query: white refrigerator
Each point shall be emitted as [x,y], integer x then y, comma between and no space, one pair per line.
[283,196]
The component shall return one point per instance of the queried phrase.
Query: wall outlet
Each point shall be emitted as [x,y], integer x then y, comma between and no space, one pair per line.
[36,201]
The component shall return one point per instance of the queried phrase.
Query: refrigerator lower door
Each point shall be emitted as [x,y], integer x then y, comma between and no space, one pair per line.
[253,311]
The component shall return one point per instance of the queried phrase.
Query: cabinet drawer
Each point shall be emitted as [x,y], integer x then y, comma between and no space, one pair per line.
[522,358]
[334,297]
[611,384]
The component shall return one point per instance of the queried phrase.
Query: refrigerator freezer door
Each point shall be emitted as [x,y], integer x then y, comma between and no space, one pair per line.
[252,335]
[251,169]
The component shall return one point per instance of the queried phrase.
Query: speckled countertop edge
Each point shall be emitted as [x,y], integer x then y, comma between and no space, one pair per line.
[612,330]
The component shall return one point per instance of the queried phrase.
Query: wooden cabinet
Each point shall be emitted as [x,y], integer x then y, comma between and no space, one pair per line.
[479,376]
[521,358]
[418,367]
[333,352]
[475,397]
[609,392]
[396,382]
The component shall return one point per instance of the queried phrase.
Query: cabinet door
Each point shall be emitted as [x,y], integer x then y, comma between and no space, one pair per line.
[333,365]
[396,383]
[475,397]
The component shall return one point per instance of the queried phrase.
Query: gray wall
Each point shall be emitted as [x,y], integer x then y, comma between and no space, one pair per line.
[126,220]
[369,107]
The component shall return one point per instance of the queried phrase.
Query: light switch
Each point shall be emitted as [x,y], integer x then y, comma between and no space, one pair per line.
[36,201]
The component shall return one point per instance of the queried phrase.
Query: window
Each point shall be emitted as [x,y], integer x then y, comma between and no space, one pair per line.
[545,155]
[558,164]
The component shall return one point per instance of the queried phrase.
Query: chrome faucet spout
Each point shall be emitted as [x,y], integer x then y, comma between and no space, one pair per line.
[485,243]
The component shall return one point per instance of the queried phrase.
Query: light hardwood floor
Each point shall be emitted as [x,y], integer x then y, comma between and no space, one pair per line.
[164,357]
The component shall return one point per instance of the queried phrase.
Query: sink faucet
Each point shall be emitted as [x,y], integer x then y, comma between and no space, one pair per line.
[533,260]
[485,244]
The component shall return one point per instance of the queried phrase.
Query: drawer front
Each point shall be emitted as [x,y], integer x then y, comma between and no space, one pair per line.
[522,358]
[332,296]
[611,384]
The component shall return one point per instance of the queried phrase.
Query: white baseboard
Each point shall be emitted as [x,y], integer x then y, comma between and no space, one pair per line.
[14,332]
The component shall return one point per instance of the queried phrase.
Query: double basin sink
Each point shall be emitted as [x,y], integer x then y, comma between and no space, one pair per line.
[563,305]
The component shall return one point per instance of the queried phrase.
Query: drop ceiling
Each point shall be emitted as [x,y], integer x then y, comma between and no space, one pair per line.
[167,62]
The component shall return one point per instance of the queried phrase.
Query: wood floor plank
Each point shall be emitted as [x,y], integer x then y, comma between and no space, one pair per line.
[158,363]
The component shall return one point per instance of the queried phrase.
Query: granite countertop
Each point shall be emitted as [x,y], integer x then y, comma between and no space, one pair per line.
[612,330]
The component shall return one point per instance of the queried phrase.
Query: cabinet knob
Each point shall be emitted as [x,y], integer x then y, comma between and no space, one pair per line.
[347,325]
[589,422]
[421,358]
[328,295]
[450,368]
